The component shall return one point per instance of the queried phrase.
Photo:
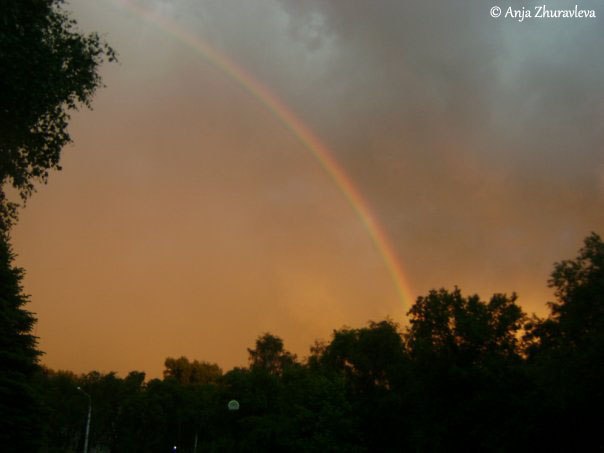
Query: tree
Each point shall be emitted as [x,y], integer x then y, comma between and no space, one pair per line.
[566,353]
[64,409]
[47,69]
[446,323]
[369,357]
[186,372]
[270,355]
[18,358]
[373,362]
[578,312]
[466,361]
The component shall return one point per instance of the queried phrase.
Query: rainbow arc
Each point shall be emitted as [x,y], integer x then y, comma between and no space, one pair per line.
[304,134]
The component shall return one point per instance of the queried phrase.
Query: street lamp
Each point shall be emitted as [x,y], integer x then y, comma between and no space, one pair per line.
[88,419]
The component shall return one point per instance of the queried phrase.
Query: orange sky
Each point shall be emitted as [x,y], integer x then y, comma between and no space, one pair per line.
[188,220]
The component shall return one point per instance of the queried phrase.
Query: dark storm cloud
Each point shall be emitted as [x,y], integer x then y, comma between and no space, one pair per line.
[470,136]
[474,136]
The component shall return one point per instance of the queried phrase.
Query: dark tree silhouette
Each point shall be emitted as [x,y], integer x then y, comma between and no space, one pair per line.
[195,372]
[270,355]
[47,69]
[18,359]
[445,323]
[566,353]
[374,365]
[466,363]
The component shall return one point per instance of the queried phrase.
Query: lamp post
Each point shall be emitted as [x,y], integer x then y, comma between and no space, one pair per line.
[87,420]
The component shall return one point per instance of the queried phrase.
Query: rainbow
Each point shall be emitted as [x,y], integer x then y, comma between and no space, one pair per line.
[310,141]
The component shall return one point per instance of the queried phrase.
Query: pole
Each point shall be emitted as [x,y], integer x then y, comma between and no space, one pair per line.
[195,443]
[87,419]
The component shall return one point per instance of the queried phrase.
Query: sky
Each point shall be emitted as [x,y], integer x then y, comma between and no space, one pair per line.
[189,217]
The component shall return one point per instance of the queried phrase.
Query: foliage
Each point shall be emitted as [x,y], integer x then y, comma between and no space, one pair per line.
[270,355]
[47,69]
[373,364]
[447,324]
[18,357]
[466,360]
[195,372]
[566,352]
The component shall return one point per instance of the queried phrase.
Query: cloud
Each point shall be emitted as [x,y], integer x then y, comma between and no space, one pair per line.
[457,127]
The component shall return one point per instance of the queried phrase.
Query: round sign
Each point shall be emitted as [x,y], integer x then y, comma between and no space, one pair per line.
[233,405]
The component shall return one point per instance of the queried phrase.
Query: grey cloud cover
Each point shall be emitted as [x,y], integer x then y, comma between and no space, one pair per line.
[475,139]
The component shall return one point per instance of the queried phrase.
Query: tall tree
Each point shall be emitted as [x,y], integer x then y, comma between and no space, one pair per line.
[47,69]
[18,358]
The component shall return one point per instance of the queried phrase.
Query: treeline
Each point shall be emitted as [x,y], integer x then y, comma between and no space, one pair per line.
[465,374]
